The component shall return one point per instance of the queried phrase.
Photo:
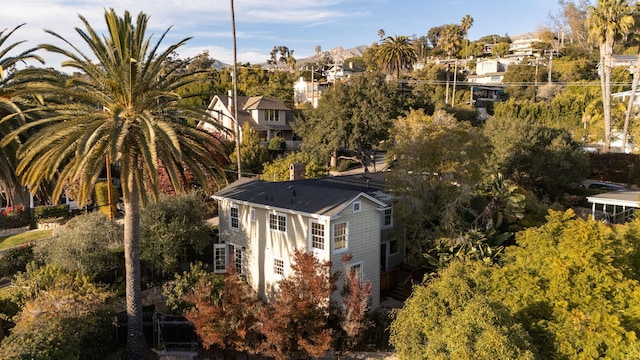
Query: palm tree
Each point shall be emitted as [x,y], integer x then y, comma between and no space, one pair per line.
[465,25]
[396,53]
[124,107]
[608,22]
[10,106]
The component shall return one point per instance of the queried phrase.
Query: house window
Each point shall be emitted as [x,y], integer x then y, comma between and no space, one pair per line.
[394,248]
[220,258]
[317,236]
[357,206]
[357,268]
[253,215]
[278,222]
[234,217]
[340,237]
[278,266]
[272,115]
[237,259]
[387,220]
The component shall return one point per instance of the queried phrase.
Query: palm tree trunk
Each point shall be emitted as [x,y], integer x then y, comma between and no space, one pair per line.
[632,98]
[136,346]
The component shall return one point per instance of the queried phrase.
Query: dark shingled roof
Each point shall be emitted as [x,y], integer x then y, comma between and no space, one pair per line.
[323,196]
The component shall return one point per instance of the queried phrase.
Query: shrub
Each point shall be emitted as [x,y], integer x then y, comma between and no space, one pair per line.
[90,244]
[14,217]
[15,260]
[277,144]
[171,226]
[51,212]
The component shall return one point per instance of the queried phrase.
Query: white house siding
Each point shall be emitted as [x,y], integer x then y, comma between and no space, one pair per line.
[262,245]
[363,243]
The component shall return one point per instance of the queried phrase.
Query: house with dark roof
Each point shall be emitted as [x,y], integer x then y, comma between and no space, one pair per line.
[263,223]
[269,117]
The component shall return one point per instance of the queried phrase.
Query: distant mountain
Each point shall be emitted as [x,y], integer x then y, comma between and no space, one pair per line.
[217,64]
[338,54]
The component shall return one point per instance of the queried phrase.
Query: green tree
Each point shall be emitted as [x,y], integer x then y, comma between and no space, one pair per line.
[254,154]
[171,226]
[438,168]
[124,107]
[569,286]
[176,290]
[90,244]
[396,53]
[450,317]
[356,116]
[10,105]
[278,170]
[500,49]
[608,22]
[569,290]
[536,157]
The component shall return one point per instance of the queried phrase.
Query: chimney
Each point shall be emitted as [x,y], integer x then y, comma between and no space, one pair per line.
[350,64]
[296,171]
[231,99]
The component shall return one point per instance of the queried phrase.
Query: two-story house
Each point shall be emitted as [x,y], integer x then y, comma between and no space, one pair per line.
[269,117]
[263,223]
[308,91]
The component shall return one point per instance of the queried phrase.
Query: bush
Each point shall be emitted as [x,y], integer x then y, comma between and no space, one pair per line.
[51,212]
[63,316]
[14,217]
[15,260]
[277,144]
[171,226]
[90,244]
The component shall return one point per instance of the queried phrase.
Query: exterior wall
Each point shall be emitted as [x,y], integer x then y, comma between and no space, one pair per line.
[363,244]
[262,245]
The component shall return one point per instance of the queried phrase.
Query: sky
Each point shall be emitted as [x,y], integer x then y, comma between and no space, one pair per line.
[262,24]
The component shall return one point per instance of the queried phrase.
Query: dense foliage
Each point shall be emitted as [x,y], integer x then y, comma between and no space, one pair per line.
[568,290]
[89,244]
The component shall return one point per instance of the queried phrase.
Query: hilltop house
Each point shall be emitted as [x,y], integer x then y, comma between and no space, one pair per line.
[263,223]
[269,117]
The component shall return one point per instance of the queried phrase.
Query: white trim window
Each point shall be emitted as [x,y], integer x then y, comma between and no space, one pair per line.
[387,218]
[358,267]
[278,267]
[317,235]
[340,237]
[238,259]
[278,222]
[234,217]
[220,258]
[357,206]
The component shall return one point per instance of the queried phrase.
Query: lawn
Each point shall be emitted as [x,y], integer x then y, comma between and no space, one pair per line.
[23,238]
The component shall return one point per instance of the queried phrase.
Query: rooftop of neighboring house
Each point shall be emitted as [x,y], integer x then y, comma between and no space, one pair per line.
[322,196]
[248,103]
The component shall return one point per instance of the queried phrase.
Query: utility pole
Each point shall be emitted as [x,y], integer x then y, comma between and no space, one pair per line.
[550,62]
[455,78]
[235,89]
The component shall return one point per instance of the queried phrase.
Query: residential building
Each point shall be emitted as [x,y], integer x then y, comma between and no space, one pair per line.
[308,92]
[263,223]
[339,72]
[269,117]
[490,71]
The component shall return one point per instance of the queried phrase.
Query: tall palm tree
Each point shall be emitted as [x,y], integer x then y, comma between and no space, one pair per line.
[465,25]
[396,53]
[10,107]
[608,22]
[124,106]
